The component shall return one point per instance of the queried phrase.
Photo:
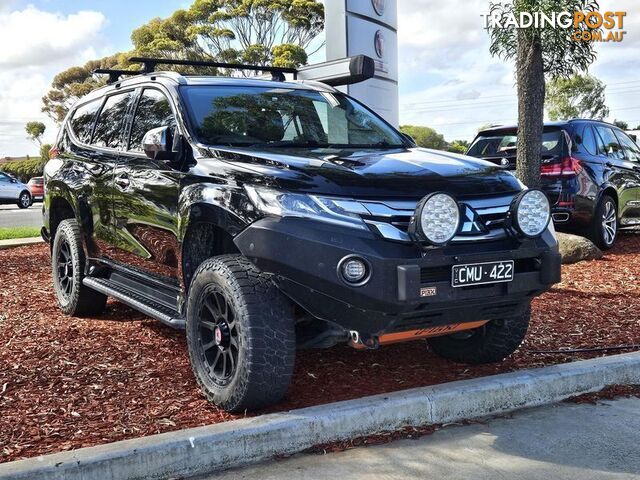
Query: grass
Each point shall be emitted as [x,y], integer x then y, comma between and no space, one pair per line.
[19,232]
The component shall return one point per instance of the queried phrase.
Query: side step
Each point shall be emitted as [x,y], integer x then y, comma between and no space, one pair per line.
[143,304]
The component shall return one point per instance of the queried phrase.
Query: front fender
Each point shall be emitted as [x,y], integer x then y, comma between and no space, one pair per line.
[225,206]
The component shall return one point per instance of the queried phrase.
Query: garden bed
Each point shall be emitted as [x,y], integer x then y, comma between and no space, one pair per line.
[67,383]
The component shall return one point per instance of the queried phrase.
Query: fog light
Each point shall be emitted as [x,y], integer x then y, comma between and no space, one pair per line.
[354,270]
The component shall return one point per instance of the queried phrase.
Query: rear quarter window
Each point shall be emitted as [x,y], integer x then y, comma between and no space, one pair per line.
[83,119]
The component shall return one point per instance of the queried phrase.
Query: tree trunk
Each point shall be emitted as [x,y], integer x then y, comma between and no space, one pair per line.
[530,80]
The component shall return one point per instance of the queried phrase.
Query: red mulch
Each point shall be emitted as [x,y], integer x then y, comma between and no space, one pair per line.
[67,383]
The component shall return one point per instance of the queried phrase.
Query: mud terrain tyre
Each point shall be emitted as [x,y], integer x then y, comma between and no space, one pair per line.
[68,262]
[493,342]
[240,334]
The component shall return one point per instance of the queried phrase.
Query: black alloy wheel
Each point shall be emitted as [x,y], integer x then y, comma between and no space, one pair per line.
[219,336]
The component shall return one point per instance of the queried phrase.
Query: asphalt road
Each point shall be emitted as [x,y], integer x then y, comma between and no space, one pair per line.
[12,216]
[559,442]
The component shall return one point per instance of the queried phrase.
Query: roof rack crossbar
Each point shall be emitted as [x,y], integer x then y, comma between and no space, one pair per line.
[114,74]
[150,64]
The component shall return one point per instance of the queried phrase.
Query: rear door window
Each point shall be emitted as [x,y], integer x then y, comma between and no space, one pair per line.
[630,149]
[83,120]
[153,111]
[108,131]
[609,146]
[589,140]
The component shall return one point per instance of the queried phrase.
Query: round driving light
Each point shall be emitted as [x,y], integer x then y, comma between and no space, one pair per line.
[354,270]
[437,219]
[531,213]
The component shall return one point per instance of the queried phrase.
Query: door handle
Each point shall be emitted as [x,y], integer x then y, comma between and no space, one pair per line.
[122,181]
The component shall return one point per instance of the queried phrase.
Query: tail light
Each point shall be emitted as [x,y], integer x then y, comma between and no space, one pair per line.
[54,152]
[567,167]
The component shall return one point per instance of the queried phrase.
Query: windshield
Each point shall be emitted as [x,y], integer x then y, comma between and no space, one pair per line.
[493,145]
[284,117]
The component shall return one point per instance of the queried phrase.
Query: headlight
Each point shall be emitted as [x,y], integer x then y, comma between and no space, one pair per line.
[285,204]
[530,213]
[437,219]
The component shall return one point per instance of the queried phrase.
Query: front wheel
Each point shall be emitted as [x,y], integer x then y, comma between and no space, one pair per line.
[24,200]
[68,262]
[493,342]
[604,227]
[240,335]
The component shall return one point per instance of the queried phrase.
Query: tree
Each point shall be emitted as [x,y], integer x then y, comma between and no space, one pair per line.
[35,130]
[425,137]
[538,52]
[44,152]
[621,124]
[260,32]
[458,146]
[74,83]
[579,96]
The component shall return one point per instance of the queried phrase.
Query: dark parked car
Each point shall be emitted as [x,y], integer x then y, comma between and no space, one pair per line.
[590,172]
[265,215]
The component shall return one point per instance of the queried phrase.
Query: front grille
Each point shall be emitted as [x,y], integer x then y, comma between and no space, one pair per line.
[391,218]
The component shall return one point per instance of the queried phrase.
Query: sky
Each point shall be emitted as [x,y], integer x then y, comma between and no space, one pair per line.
[448,80]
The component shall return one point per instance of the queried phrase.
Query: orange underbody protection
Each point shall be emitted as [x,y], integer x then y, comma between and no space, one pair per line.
[400,337]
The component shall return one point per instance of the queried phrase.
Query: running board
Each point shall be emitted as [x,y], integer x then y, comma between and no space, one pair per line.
[141,303]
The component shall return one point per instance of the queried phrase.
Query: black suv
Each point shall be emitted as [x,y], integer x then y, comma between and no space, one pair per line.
[266,215]
[590,172]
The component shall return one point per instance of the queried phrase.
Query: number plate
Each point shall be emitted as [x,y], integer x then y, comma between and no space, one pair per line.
[481,273]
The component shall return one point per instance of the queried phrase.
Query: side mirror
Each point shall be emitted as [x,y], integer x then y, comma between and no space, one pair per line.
[13,180]
[157,144]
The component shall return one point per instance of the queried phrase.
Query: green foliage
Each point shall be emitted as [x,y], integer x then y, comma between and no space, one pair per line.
[70,85]
[562,56]
[23,170]
[621,124]
[579,96]
[261,32]
[458,146]
[44,152]
[19,232]
[35,130]
[425,137]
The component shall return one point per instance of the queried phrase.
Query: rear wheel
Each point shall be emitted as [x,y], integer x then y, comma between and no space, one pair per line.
[240,335]
[24,200]
[492,342]
[68,262]
[604,227]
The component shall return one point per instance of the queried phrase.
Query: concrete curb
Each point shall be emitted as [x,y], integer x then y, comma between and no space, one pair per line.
[217,447]
[19,242]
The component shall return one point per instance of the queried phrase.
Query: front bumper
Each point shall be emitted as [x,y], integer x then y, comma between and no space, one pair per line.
[303,256]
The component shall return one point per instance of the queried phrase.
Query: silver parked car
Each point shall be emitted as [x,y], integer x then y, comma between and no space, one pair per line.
[13,191]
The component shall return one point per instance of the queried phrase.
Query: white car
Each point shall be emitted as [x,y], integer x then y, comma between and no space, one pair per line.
[13,191]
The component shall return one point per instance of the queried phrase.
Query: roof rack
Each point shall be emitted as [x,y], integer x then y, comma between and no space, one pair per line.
[345,71]
[150,64]
[114,75]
